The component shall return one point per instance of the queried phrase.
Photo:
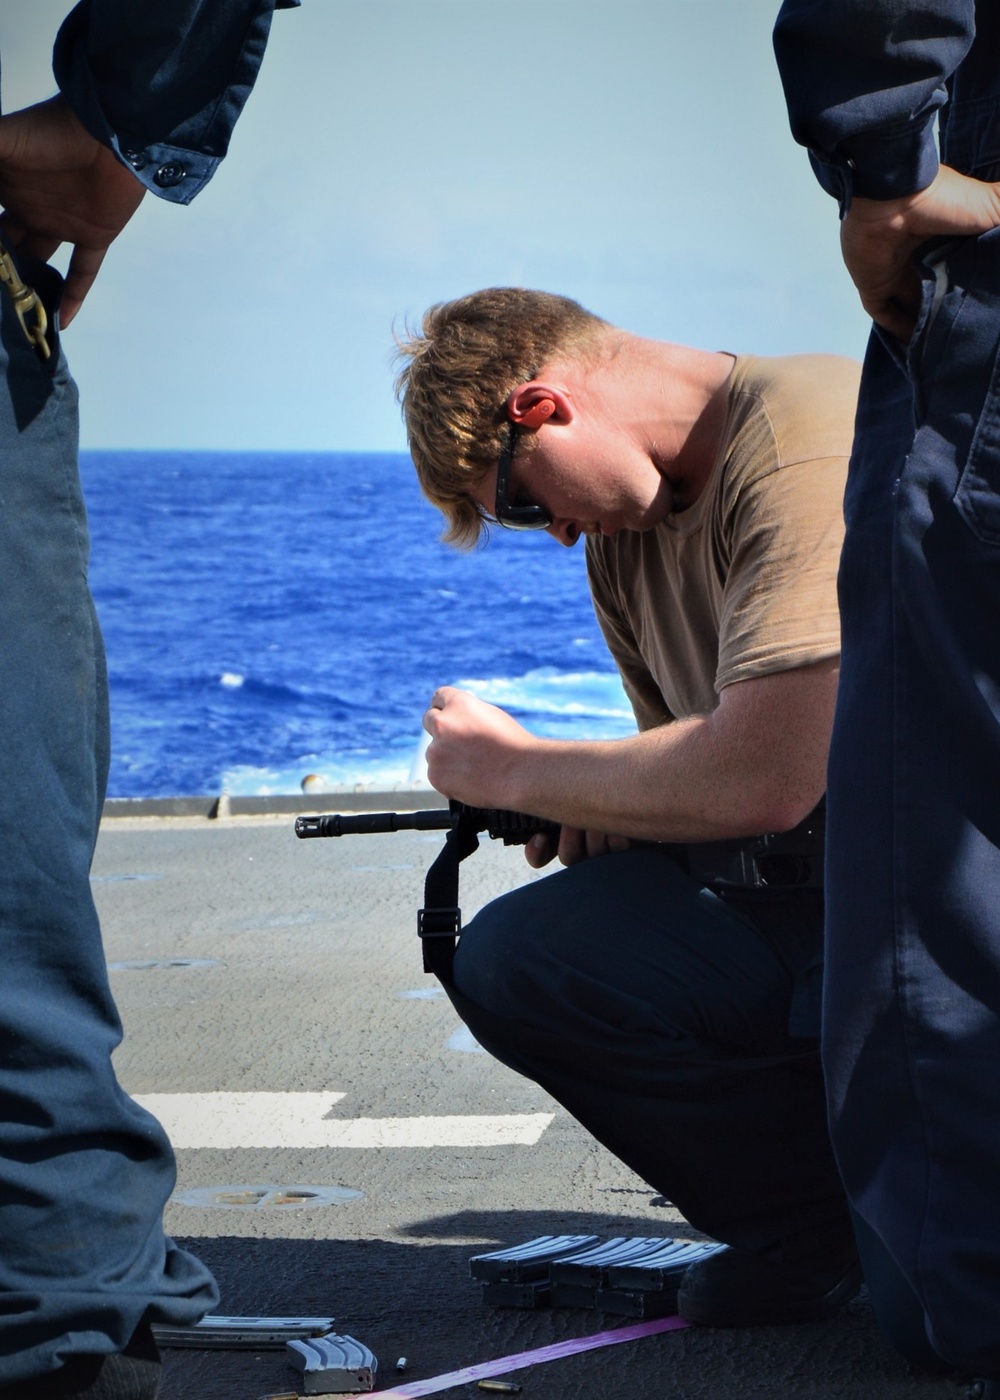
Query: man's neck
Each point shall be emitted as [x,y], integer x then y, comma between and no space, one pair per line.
[687,403]
[670,400]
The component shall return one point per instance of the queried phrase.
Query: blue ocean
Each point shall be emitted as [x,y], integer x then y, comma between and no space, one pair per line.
[270,616]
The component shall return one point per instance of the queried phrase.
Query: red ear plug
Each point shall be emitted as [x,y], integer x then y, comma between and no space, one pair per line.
[538,413]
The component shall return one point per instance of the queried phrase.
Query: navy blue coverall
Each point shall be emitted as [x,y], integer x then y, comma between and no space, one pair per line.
[84,1172]
[911,1019]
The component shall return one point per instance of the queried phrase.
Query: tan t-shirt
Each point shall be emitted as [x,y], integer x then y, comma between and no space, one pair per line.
[743,582]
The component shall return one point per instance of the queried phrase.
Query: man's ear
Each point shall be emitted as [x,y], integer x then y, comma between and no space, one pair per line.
[532,404]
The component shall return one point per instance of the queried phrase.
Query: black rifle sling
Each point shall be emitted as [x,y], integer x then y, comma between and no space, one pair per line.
[439,922]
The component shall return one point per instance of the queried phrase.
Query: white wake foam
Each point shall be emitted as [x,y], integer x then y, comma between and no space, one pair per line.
[553,704]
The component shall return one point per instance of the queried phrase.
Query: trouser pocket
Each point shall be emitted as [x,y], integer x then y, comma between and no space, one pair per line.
[977,495]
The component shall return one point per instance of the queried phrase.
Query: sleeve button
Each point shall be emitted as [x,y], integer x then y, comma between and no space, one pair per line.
[168,175]
[136,159]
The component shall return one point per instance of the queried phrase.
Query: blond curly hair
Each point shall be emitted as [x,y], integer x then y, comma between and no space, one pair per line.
[457,374]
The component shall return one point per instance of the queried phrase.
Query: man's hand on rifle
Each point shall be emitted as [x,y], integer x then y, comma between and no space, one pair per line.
[474,755]
[474,749]
[573,846]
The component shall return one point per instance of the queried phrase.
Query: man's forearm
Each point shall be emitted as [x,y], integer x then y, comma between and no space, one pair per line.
[758,763]
[683,782]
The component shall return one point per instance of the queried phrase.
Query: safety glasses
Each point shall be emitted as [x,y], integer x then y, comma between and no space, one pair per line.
[517,515]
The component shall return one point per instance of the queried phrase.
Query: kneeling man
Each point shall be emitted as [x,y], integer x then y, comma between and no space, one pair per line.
[664,987]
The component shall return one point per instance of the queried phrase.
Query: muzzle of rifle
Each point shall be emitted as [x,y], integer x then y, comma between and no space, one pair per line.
[367,823]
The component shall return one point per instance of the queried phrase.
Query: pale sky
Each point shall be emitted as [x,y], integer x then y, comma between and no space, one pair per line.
[633,154]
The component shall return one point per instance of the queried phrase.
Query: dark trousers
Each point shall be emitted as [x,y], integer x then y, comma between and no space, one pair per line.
[659,1017]
[84,1172]
[912,1009]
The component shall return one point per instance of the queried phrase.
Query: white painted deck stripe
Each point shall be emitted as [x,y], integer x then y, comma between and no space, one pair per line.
[301,1121]
[241,1120]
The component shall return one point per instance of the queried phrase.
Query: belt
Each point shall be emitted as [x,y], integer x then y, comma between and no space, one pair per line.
[784,860]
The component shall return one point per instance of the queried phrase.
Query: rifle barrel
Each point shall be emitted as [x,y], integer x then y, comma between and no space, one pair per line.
[365,823]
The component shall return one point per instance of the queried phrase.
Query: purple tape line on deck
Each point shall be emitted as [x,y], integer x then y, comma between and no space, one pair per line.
[520,1359]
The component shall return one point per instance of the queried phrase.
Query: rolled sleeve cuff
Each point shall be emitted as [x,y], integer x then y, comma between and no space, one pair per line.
[886,164]
[835,176]
[172,144]
[891,163]
[168,171]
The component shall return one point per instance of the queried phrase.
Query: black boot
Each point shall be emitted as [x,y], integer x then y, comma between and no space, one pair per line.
[737,1289]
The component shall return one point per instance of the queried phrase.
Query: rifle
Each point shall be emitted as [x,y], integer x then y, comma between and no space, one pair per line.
[755,866]
[439,922]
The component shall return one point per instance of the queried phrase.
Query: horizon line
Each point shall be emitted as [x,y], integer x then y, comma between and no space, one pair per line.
[284,451]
